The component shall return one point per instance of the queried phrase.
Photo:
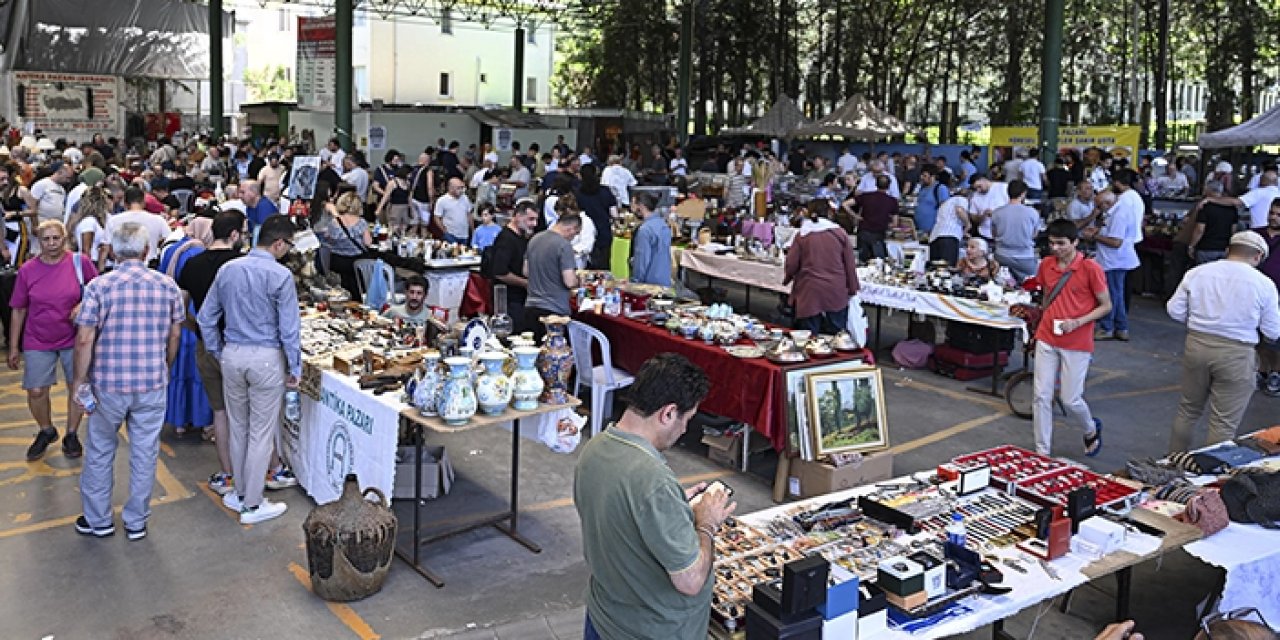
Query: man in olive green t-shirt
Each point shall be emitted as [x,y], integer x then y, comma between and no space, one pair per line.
[650,549]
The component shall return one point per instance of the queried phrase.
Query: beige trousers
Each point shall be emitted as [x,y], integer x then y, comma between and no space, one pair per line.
[1219,372]
[253,385]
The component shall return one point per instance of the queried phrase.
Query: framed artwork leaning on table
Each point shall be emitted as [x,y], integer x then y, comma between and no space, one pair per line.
[799,436]
[846,410]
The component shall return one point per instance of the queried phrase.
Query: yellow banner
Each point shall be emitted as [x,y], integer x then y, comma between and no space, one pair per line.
[1108,139]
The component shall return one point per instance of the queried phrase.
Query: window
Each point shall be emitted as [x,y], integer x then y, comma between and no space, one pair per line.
[484,78]
[531,89]
[446,85]
[532,37]
[446,23]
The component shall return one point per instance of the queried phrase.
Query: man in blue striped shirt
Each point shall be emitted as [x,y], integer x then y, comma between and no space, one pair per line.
[261,354]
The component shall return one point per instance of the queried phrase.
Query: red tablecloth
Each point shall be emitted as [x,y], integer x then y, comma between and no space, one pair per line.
[749,391]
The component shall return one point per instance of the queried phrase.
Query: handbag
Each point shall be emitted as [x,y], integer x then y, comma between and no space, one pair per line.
[1206,511]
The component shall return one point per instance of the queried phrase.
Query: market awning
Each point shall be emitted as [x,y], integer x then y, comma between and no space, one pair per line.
[1262,129]
[779,121]
[856,119]
[508,119]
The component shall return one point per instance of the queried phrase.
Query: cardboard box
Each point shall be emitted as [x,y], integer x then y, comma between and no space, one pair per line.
[808,479]
[843,628]
[437,473]
[727,450]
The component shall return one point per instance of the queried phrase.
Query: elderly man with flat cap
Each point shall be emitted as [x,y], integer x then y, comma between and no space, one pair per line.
[1226,305]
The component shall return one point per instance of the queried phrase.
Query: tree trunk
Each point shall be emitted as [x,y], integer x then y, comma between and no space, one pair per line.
[1013,66]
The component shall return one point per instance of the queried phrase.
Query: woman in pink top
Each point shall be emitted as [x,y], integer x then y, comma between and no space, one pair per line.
[45,299]
[823,272]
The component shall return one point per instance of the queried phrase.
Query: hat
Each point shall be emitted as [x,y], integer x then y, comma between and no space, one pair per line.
[1251,240]
[92,176]
[1223,167]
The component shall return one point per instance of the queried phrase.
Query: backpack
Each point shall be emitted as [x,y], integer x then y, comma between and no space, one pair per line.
[79,267]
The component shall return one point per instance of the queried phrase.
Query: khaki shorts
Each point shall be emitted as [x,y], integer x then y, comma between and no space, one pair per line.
[211,375]
[401,215]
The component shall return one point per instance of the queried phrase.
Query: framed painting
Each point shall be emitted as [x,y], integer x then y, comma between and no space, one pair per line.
[799,441]
[846,410]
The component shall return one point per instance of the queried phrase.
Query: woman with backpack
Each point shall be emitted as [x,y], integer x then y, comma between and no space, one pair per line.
[48,317]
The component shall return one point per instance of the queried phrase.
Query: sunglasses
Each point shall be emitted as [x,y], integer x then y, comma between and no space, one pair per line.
[1234,614]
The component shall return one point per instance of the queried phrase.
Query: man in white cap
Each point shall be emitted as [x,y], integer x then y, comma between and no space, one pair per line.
[1225,305]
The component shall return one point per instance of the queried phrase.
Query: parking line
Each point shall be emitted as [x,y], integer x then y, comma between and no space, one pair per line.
[947,433]
[344,613]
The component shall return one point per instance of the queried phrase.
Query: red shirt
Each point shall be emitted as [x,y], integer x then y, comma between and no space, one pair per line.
[1077,298]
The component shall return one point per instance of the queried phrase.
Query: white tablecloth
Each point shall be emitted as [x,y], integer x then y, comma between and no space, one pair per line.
[762,275]
[939,306]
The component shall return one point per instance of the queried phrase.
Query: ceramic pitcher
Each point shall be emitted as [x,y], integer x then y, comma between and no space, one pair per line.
[426,396]
[526,383]
[458,398]
[493,388]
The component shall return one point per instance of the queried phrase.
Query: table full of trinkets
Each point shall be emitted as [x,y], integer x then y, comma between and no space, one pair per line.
[938,553]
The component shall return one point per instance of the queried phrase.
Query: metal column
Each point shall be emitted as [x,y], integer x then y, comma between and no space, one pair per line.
[1051,80]
[682,75]
[517,82]
[215,68]
[344,18]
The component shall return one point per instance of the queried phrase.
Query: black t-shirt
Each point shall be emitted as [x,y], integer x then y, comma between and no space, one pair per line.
[1059,183]
[182,182]
[508,257]
[1219,223]
[419,179]
[596,206]
[796,163]
[198,274]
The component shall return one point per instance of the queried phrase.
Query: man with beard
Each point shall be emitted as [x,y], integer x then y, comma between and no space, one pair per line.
[506,259]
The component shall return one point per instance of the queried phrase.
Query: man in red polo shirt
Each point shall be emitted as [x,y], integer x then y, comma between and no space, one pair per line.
[1064,339]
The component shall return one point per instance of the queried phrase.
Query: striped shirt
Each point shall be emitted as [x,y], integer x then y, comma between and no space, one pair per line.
[133,309]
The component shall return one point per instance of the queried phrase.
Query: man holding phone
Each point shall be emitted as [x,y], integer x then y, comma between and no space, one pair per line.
[649,543]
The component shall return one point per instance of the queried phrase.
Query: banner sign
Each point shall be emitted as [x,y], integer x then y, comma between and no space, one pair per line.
[317,62]
[345,431]
[70,105]
[1108,140]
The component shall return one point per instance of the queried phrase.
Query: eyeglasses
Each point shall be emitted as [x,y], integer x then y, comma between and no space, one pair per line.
[288,242]
[1234,614]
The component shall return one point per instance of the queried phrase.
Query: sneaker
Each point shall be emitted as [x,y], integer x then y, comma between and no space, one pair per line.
[71,446]
[1272,388]
[263,512]
[1122,335]
[83,528]
[1102,334]
[281,478]
[44,438]
[232,501]
[135,534]
[221,483]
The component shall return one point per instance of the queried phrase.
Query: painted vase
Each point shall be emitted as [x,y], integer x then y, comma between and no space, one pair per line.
[493,387]
[457,397]
[555,361]
[426,395]
[526,384]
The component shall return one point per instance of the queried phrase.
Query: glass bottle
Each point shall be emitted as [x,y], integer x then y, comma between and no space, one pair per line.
[501,324]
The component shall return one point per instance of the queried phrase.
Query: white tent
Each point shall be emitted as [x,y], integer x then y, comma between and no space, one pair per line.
[1262,129]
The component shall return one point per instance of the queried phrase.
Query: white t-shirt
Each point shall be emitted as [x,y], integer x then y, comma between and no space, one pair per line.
[358,178]
[155,225]
[90,225]
[846,163]
[1032,171]
[73,198]
[997,196]
[1259,203]
[678,166]
[333,157]
[619,180]
[1229,299]
[51,199]
[867,184]
[948,224]
[584,159]
[1124,221]
[454,214]
[1078,210]
[584,242]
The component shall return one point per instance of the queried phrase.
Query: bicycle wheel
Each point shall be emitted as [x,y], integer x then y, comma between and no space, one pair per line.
[1019,393]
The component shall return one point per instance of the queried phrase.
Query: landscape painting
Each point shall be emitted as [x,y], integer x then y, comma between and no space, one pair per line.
[846,411]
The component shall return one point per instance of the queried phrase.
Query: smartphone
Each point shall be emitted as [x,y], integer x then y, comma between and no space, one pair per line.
[714,486]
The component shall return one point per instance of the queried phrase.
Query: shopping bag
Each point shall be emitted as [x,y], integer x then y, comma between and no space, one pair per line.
[560,430]
[377,294]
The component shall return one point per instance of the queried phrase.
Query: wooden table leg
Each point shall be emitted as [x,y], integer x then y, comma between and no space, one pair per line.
[780,477]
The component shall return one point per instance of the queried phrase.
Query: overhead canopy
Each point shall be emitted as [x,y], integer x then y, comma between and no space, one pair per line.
[781,119]
[507,119]
[856,119]
[1262,129]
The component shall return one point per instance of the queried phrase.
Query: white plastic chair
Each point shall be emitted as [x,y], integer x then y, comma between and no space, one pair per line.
[603,379]
[185,197]
[364,271]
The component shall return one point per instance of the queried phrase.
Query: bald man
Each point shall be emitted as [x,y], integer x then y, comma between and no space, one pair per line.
[453,210]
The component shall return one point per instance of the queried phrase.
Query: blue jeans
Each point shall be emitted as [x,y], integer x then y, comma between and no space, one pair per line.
[449,237]
[828,322]
[589,631]
[1118,319]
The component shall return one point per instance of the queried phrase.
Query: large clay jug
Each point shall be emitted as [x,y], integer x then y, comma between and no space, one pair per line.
[350,543]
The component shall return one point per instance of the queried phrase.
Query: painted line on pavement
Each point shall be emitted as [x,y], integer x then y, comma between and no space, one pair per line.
[344,613]
[947,433]
[1137,392]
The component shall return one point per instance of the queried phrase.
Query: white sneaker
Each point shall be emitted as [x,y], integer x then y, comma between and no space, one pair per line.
[232,501]
[263,512]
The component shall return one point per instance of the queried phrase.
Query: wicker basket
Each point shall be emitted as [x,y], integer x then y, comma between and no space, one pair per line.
[350,543]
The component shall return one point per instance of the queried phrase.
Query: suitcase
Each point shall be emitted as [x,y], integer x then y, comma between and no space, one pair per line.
[977,338]
[964,365]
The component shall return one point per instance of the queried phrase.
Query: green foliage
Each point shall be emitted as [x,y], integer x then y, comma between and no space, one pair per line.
[269,84]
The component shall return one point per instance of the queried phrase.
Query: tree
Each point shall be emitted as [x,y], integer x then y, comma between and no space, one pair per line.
[269,84]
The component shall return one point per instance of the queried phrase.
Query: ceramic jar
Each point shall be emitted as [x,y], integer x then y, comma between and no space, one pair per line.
[526,383]
[555,361]
[458,397]
[426,395]
[493,388]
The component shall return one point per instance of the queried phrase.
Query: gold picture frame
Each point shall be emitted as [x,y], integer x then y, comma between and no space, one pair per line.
[846,411]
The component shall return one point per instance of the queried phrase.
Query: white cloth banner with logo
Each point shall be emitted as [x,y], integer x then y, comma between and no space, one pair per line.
[346,431]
